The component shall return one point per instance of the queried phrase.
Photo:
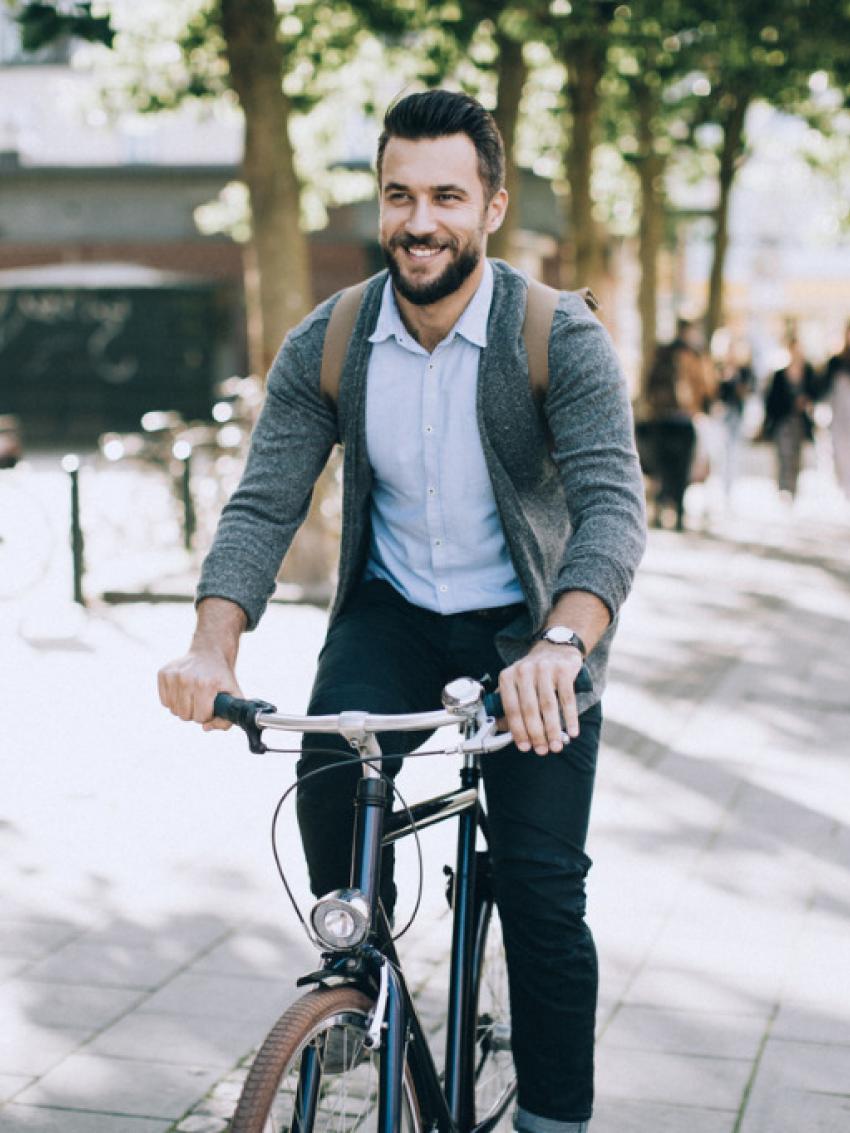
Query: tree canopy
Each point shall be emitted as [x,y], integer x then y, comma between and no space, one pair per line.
[639,86]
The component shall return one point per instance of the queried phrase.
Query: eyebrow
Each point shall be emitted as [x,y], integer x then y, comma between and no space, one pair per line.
[391,185]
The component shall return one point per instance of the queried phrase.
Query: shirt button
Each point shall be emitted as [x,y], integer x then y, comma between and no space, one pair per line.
[443,589]
[429,428]
[432,491]
[438,542]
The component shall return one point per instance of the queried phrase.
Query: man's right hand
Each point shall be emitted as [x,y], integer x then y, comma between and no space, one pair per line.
[188,686]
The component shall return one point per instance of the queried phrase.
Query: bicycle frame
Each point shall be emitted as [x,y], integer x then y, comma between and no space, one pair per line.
[450,1105]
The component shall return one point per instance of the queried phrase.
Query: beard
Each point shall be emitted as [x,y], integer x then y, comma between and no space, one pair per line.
[459,268]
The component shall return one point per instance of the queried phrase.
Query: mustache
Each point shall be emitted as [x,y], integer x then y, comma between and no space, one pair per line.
[405,241]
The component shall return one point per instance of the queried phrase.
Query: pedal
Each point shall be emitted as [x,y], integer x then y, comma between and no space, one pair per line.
[500,1037]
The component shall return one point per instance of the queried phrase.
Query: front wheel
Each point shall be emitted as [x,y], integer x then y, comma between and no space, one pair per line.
[315,1073]
[494,1085]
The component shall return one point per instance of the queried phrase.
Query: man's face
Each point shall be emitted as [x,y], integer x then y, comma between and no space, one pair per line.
[434,216]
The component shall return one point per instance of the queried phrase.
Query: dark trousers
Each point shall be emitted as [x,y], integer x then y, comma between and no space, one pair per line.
[675,443]
[383,654]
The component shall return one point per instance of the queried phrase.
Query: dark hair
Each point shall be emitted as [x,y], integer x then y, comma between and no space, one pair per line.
[440,113]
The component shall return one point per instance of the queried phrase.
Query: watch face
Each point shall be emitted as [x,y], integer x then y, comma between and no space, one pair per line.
[563,635]
[560,635]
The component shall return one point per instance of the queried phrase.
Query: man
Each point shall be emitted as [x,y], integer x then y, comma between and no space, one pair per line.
[465,538]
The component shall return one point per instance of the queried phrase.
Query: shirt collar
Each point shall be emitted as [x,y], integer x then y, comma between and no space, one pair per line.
[472,324]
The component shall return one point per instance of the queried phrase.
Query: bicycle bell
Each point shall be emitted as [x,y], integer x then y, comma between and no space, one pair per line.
[462,694]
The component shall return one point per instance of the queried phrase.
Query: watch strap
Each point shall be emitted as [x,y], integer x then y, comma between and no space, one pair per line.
[572,638]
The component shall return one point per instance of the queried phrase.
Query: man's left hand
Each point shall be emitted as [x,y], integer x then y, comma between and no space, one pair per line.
[536,692]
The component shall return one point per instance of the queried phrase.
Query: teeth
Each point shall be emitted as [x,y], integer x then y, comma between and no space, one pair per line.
[424,253]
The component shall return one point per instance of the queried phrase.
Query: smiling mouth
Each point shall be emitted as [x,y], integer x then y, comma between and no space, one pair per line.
[423,252]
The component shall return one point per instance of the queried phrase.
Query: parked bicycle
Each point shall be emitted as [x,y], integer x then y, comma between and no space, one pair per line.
[352,1054]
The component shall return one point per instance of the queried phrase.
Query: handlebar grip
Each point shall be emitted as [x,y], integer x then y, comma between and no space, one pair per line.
[244,714]
[227,707]
[493,701]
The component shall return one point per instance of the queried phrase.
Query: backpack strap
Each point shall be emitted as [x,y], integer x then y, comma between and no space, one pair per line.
[539,311]
[340,327]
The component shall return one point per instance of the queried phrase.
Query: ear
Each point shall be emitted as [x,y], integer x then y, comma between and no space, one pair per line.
[496,211]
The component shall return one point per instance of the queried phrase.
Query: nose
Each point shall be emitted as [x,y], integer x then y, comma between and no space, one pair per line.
[421,220]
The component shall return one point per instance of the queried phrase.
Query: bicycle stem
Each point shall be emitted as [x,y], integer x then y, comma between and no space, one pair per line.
[370,806]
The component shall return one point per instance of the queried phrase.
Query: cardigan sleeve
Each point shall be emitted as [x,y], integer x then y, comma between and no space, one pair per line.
[589,415]
[290,445]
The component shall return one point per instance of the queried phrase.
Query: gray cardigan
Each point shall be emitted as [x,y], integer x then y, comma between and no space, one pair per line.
[567,481]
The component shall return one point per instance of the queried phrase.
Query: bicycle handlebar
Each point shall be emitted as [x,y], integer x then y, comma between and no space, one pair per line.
[254,715]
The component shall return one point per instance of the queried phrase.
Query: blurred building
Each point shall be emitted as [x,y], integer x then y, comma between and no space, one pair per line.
[112,299]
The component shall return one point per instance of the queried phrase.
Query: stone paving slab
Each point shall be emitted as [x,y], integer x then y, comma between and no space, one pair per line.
[37,1119]
[12,966]
[182,1039]
[708,1034]
[112,1085]
[257,950]
[65,1005]
[106,965]
[28,1049]
[35,939]
[11,1084]
[694,989]
[678,1079]
[181,938]
[617,1116]
[223,998]
[802,1086]
[829,1023]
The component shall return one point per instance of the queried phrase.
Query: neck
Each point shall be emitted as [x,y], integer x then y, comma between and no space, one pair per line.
[429,325]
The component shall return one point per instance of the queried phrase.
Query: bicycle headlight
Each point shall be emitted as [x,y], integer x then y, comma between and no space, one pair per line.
[341,919]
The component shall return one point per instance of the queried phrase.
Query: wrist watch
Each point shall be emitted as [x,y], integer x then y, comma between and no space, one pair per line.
[562,635]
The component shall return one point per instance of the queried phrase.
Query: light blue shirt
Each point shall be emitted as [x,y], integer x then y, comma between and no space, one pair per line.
[436,533]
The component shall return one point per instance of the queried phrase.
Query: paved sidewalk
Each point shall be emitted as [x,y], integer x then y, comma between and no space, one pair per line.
[147,946]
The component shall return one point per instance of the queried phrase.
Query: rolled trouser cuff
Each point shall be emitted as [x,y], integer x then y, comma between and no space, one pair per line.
[525,1122]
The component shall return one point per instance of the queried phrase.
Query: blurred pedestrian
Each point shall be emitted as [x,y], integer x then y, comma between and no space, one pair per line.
[837,388]
[737,384]
[788,416]
[679,390]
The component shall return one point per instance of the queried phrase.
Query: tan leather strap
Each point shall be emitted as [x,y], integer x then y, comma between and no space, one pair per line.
[539,311]
[337,337]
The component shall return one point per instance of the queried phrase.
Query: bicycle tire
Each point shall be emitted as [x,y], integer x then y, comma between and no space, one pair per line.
[493,1066]
[348,1090]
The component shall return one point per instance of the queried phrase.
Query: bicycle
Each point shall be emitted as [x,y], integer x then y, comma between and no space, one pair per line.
[351,1054]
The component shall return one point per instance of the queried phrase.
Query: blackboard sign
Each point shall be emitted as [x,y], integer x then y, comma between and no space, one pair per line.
[75,362]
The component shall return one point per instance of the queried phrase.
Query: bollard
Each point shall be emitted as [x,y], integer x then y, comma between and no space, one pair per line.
[182,451]
[71,465]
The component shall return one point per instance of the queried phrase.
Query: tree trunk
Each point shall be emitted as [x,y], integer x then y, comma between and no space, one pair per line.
[277,276]
[730,155]
[511,73]
[650,168]
[585,62]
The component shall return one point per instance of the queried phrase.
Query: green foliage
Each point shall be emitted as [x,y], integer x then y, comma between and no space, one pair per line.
[698,59]
[43,24]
